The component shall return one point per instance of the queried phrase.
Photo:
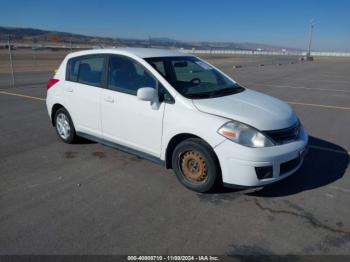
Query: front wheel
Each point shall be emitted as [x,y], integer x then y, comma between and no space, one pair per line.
[195,165]
[64,126]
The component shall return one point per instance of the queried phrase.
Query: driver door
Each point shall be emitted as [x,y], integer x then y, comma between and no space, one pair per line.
[126,120]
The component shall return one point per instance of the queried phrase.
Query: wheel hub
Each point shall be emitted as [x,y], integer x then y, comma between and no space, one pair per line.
[193,166]
[62,125]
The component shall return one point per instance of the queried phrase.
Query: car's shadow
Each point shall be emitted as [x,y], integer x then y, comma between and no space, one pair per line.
[324,163]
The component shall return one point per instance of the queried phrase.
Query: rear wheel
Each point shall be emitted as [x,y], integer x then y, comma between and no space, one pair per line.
[196,165]
[64,126]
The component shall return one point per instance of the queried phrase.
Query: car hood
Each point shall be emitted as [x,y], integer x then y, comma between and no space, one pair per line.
[250,107]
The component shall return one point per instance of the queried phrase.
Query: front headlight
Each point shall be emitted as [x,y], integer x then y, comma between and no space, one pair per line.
[244,135]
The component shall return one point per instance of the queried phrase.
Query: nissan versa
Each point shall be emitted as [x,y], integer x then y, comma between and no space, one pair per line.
[177,110]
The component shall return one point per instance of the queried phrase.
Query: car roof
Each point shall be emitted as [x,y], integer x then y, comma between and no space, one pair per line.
[140,52]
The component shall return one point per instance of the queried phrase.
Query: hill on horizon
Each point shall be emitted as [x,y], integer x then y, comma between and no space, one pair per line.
[32,35]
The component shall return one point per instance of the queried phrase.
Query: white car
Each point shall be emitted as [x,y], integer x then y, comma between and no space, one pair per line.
[177,110]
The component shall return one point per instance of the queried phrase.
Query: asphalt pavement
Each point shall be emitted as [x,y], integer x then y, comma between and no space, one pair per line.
[90,199]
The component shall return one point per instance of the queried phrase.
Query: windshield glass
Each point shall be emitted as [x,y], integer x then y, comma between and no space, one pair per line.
[194,78]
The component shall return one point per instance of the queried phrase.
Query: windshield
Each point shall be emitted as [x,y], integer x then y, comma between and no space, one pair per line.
[194,78]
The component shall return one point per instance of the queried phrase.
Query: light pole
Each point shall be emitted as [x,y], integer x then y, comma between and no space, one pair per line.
[10,56]
[308,54]
[70,43]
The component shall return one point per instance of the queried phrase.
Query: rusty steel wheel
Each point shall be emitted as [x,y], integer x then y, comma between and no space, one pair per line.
[193,166]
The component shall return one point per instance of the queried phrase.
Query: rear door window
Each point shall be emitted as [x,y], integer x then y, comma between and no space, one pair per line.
[86,70]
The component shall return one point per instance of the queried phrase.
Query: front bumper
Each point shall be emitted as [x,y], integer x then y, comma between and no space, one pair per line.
[238,163]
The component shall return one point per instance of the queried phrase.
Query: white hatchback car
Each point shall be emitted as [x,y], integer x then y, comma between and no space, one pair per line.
[177,110]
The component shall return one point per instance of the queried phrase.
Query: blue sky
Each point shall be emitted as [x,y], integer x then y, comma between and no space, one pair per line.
[283,22]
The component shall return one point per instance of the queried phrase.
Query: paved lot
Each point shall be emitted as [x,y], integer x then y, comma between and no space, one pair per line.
[23,79]
[90,199]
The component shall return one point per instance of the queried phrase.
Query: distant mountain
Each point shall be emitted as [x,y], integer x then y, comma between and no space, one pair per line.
[30,35]
[162,40]
[27,34]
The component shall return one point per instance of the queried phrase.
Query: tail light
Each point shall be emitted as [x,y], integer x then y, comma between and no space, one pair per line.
[51,83]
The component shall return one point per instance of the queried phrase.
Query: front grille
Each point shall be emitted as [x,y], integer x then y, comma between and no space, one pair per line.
[289,165]
[286,135]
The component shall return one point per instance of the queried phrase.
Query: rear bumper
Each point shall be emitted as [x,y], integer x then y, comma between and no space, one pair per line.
[239,164]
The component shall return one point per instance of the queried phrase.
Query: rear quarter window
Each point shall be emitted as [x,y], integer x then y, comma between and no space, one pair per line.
[73,66]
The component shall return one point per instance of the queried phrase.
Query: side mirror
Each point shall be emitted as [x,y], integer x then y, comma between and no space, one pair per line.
[146,94]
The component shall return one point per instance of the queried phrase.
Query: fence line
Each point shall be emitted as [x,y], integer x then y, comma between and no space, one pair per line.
[280,53]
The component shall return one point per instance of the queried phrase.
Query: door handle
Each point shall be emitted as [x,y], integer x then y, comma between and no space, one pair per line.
[109,99]
[69,89]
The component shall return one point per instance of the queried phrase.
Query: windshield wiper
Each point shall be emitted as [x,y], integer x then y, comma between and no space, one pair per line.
[224,91]
[227,90]
[233,89]
[200,95]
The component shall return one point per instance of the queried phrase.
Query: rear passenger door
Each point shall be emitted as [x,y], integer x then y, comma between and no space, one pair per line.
[83,90]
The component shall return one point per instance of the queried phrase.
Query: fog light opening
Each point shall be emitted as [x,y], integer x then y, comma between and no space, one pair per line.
[264,172]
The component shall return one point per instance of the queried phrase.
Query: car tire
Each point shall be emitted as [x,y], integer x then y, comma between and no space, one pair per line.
[196,166]
[64,126]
